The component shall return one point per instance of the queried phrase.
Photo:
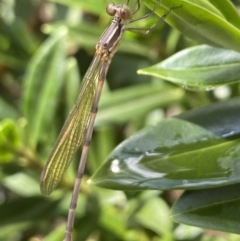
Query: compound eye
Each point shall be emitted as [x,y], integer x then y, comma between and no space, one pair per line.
[111,9]
[125,13]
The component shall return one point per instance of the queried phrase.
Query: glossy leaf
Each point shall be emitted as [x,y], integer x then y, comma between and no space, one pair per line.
[199,68]
[201,20]
[216,208]
[221,118]
[173,154]
[42,85]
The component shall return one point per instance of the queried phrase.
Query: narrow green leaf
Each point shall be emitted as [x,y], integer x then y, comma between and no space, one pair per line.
[26,45]
[96,7]
[42,85]
[228,10]
[79,34]
[101,145]
[7,111]
[11,61]
[71,83]
[16,50]
[131,103]
[199,68]
[200,20]
[175,154]
[216,209]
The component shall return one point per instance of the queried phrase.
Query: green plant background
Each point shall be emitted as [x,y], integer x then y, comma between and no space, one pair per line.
[45,49]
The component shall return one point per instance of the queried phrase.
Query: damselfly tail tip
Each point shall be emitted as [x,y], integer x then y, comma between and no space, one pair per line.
[45,186]
[44,190]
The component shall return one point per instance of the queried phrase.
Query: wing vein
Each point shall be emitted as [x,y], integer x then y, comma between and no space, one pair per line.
[72,134]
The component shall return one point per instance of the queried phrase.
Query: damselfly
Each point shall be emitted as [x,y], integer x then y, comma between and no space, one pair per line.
[78,127]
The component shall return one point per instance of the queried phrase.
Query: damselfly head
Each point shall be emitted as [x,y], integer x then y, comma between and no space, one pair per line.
[121,11]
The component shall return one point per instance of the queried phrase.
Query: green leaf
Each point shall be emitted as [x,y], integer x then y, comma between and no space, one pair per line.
[119,106]
[79,33]
[9,231]
[174,154]
[201,20]
[11,61]
[25,210]
[7,111]
[187,232]
[96,7]
[42,85]
[228,10]
[221,118]
[22,184]
[112,220]
[57,234]
[216,209]
[9,140]
[71,83]
[101,145]
[199,68]
[159,222]
[15,51]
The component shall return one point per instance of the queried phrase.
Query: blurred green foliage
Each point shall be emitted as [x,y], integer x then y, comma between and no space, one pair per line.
[45,49]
